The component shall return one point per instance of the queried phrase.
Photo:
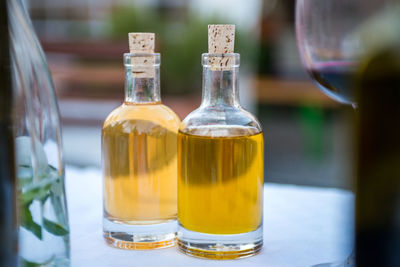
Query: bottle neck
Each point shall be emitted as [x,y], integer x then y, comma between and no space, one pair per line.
[220,87]
[142,82]
[142,90]
[220,80]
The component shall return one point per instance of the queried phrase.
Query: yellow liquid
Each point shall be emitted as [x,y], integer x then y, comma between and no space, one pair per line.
[139,144]
[220,183]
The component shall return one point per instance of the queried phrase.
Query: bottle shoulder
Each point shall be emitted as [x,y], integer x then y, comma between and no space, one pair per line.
[220,121]
[157,114]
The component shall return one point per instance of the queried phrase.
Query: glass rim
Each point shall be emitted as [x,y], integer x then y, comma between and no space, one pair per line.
[234,56]
[128,59]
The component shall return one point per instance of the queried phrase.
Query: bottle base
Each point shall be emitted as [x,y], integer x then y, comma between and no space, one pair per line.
[139,237]
[220,247]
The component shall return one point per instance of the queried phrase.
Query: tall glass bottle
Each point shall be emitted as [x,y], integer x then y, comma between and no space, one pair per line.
[220,170]
[139,163]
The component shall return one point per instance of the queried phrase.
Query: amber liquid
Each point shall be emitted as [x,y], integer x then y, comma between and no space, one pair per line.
[220,183]
[139,163]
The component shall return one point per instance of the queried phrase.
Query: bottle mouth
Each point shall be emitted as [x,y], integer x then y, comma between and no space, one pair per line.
[142,59]
[222,61]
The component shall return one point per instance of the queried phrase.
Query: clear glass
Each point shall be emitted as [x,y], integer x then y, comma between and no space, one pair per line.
[139,153]
[220,171]
[44,230]
[333,36]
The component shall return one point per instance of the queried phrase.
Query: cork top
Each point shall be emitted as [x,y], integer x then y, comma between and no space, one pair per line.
[141,46]
[221,40]
[141,42]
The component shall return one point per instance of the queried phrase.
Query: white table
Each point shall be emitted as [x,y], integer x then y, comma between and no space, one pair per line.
[303,226]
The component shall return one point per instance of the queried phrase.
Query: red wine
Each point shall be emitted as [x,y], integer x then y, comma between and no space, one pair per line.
[335,78]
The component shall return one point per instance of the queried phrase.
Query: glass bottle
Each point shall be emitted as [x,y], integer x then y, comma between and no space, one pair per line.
[220,171]
[139,163]
[43,218]
[377,142]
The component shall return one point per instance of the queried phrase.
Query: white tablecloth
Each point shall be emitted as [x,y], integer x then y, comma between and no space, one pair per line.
[303,226]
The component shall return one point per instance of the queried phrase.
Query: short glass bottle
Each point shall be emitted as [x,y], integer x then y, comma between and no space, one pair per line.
[220,170]
[139,155]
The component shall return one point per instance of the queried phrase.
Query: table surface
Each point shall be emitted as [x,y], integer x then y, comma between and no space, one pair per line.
[303,226]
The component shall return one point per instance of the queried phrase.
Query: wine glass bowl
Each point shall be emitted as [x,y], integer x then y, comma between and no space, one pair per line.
[330,38]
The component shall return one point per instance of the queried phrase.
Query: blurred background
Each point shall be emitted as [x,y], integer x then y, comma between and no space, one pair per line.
[306,133]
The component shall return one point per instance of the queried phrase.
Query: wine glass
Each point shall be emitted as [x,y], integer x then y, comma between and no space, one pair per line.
[334,37]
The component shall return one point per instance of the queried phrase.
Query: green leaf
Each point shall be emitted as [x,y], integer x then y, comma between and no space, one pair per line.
[24,181]
[39,192]
[54,228]
[25,263]
[29,224]
[58,208]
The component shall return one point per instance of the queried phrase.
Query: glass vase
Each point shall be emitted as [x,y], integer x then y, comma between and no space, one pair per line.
[43,218]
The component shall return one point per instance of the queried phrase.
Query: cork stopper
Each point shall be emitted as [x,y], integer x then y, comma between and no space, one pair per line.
[142,43]
[221,40]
